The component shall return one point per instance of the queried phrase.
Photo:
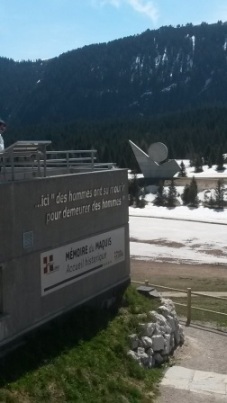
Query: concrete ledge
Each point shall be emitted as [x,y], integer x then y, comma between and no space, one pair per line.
[202,382]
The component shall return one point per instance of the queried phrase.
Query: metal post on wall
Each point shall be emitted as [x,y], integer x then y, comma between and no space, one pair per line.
[92,160]
[38,164]
[1,288]
[67,161]
[45,161]
[12,166]
[189,306]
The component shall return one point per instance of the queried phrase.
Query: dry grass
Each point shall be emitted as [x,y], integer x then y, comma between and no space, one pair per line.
[203,278]
[197,277]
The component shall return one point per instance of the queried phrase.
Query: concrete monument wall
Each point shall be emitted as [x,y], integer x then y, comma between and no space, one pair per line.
[63,241]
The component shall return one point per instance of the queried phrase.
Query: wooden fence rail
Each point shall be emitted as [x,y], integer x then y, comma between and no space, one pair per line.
[188,294]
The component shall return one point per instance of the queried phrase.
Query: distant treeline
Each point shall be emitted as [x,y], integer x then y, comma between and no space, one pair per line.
[192,134]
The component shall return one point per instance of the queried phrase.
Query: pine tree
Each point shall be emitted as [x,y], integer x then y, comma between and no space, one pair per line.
[220,160]
[219,194]
[136,194]
[133,190]
[198,164]
[160,199]
[190,194]
[211,202]
[193,194]
[141,202]
[182,170]
[172,195]
[185,195]
[209,162]
[207,154]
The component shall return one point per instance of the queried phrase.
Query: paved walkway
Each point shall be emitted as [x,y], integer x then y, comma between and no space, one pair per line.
[211,385]
[200,373]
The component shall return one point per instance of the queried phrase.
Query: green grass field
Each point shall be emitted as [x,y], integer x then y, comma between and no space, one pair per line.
[206,303]
[81,359]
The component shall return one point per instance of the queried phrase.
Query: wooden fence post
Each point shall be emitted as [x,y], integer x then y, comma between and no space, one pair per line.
[189,306]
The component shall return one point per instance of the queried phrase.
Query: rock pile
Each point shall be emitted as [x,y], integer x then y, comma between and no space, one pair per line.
[159,334]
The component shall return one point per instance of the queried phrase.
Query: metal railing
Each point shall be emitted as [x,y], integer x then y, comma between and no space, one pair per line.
[188,295]
[76,158]
[30,159]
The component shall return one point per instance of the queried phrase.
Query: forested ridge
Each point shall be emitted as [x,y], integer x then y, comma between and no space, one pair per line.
[167,85]
[190,134]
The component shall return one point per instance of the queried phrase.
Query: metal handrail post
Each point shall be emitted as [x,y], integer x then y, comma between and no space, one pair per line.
[45,162]
[92,160]
[12,166]
[67,161]
[189,306]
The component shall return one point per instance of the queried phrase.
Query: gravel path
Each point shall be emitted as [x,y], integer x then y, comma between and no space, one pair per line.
[204,350]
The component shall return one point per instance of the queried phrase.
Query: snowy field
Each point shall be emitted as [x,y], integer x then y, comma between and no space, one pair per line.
[207,172]
[181,234]
[169,240]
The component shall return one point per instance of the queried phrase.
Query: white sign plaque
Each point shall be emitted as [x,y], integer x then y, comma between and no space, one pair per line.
[67,264]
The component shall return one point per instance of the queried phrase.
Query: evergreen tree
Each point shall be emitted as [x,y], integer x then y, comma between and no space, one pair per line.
[190,194]
[141,202]
[172,195]
[212,159]
[209,162]
[206,199]
[182,172]
[198,163]
[136,195]
[160,199]
[185,195]
[133,190]
[211,202]
[220,160]
[207,154]
[219,194]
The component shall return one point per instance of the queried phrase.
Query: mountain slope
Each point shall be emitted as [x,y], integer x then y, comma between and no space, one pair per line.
[157,72]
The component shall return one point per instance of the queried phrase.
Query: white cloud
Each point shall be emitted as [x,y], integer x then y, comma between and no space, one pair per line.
[115,3]
[101,3]
[145,7]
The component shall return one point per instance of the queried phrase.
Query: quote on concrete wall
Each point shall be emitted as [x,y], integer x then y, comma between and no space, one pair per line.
[61,206]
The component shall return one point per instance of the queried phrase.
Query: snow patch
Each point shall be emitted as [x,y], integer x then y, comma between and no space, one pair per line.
[193,42]
[167,89]
[164,57]
[146,94]
[225,45]
[157,60]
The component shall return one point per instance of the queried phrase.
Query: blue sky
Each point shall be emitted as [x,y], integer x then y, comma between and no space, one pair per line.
[42,29]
